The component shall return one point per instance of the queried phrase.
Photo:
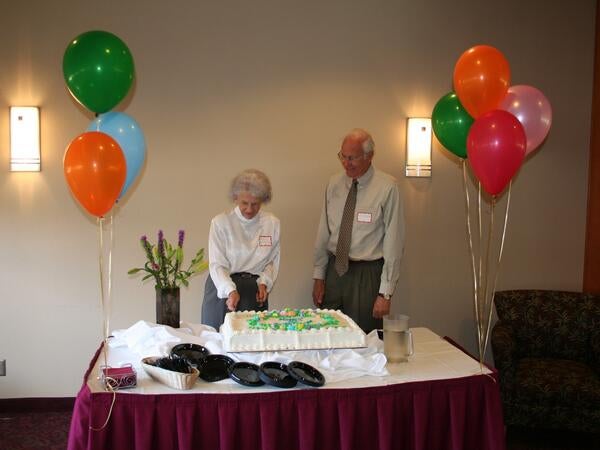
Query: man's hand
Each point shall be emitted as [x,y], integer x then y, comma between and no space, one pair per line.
[381,307]
[318,292]
[232,300]
[262,294]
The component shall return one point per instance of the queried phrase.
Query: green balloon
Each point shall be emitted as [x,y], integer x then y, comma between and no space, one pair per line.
[98,69]
[451,124]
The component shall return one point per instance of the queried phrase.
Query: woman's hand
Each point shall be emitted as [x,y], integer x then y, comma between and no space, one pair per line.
[232,300]
[262,295]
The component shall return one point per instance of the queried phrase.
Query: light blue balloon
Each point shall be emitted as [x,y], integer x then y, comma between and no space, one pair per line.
[128,134]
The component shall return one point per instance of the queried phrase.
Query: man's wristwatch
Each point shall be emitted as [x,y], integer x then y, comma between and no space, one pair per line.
[385,296]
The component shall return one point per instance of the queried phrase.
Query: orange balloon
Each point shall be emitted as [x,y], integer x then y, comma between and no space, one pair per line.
[95,170]
[481,79]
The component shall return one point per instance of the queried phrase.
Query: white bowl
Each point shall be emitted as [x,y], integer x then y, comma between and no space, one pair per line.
[175,380]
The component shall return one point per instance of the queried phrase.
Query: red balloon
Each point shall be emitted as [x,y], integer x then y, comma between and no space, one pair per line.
[95,169]
[481,79]
[496,149]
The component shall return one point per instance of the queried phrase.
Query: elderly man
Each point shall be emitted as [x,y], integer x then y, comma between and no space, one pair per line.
[360,237]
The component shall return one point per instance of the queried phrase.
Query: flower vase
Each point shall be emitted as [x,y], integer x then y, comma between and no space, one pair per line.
[167,306]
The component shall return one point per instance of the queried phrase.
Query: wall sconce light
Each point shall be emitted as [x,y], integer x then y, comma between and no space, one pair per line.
[24,139]
[418,147]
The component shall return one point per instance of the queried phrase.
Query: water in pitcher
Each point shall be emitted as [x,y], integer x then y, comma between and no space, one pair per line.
[397,338]
[397,345]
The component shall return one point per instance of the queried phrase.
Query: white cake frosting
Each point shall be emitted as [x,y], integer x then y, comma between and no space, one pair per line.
[290,329]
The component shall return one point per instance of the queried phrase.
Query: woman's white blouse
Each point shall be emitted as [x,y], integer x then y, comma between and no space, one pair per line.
[237,244]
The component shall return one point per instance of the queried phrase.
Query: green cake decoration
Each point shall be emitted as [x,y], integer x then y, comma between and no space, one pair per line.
[292,320]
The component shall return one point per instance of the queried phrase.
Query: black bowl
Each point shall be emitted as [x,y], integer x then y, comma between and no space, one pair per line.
[215,367]
[193,353]
[246,374]
[276,374]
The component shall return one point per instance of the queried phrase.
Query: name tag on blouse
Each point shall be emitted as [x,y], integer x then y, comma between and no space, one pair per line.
[364,217]
[265,241]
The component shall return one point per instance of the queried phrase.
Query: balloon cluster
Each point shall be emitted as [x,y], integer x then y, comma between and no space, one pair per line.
[101,164]
[486,120]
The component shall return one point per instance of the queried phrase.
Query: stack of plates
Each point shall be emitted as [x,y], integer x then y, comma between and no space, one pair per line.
[276,374]
[192,353]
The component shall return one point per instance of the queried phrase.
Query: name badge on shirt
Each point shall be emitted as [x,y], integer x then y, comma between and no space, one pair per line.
[265,241]
[364,217]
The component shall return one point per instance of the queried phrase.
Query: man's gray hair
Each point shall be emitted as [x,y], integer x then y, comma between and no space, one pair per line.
[360,135]
[253,181]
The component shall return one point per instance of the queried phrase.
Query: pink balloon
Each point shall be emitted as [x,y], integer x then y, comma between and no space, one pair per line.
[496,149]
[532,109]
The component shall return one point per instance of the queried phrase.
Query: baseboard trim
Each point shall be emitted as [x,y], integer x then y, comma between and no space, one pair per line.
[41,404]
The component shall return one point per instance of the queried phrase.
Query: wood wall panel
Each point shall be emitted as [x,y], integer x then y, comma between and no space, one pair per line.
[591,268]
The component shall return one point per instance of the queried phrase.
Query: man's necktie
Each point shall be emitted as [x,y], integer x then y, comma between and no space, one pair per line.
[345,237]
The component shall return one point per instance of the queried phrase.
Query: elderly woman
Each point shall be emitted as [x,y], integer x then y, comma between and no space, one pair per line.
[243,251]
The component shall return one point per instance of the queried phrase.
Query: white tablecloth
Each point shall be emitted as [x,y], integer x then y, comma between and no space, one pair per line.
[434,359]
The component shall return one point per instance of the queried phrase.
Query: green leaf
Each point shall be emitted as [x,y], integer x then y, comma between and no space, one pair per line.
[166,267]
[201,266]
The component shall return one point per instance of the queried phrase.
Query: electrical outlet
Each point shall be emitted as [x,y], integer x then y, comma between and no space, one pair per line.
[2,367]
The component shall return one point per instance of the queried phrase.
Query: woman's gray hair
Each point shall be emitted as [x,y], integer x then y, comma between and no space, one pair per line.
[253,181]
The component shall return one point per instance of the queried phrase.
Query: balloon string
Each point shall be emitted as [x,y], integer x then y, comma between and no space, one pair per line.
[498,262]
[105,296]
[490,377]
[471,251]
[481,273]
[109,387]
[109,382]
[485,303]
[109,283]
[479,224]
[102,299]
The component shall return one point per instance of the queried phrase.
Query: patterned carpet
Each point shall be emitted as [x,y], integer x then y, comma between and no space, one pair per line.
[34,431]
[526,439]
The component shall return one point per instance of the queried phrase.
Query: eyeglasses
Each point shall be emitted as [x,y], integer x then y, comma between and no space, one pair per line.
[350,159]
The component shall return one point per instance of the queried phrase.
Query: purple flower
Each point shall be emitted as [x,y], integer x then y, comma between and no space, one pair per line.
[164,261]
[161,242]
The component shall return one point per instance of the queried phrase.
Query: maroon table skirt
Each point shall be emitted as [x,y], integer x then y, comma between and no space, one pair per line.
[459,414]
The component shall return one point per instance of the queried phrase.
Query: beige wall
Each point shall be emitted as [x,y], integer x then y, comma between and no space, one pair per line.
[223,86]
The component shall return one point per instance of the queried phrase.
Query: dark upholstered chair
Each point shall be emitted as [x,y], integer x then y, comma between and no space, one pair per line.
[546,347]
